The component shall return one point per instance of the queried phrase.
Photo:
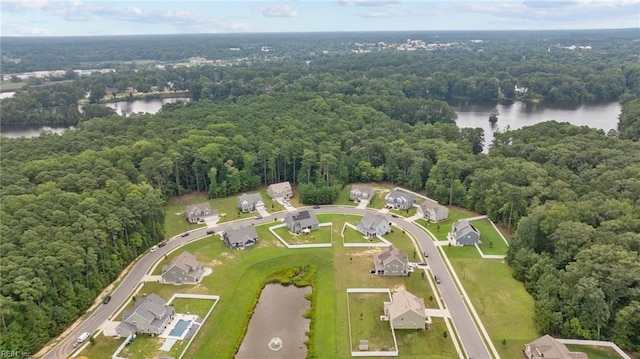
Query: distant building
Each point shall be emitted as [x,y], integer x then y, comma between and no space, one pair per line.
[391,262]
[546,347]
[406,311]
[280,190]
[183,269]
[242,237]
[361,192]
[303,220]
[400,200]
[432,211]
[373,224]
[463,233]
[198,212]
[150,315]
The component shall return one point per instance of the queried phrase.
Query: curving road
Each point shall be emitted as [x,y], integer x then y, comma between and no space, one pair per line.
[467,331]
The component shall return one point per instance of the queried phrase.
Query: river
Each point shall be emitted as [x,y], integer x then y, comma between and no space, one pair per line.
[515,115]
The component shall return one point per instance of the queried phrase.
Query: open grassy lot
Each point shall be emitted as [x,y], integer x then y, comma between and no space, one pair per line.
[174,219]
[194,306]
[104,347]
[413,343]
[405,212]
[353,236]
[228,209]
[365,310]
[238,277]
[594,352]
[441,229]
[343,197]
[492,243]
[320,235]
[504,306]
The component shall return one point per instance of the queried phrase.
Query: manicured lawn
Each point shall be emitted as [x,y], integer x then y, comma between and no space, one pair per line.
[412,343]
[402,241]
[405,212]
[320,235]
[104,347]
[228,211]
[365,311]
[174,219]
[594,352]
[504,306]
[353,236]
[194,306]
[441,229]
[492,243]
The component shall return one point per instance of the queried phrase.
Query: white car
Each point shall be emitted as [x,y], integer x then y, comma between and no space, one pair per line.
[154,248]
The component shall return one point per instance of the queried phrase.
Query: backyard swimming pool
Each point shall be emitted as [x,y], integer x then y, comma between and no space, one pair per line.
[179,329]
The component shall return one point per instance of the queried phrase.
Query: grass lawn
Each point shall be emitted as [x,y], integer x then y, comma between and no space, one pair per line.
[228,208]
[441,229]
[402,241]
[412,343]
[594,352]
[353,236]
[238,277]
[104,347]
[320,235]
[174,219]
[194,306]
[504,306]
[405,212]
[492,243]
[365,311]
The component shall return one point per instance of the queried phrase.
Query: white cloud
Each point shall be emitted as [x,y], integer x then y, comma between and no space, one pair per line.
[277,10]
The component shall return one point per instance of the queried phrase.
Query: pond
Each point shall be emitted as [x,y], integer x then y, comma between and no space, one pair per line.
[277,329]
[518,114]
[17,131]
[152,106]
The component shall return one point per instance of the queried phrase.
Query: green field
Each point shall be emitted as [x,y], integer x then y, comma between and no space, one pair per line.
[405,212]
[594,352]
[238,277]
[492,243]
[198,307]
[317,236]
[365,310]
[343,197]
[353,236]
[503,304]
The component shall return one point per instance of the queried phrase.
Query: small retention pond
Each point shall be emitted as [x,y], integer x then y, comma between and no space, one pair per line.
[277,329]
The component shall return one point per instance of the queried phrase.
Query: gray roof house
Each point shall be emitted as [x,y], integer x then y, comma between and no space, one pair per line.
[242,237]
[546,347]
[433,211]
[391,262]
[301,220]
[250,202]
[280,190]
[400,200]
[406,311]
[361,192]
[373,224]
[183,269]
[150,315]
[464,233]
[196,213]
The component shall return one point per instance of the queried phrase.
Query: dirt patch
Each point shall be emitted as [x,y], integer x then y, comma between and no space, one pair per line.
[367,253]
[228,255]
[186,197]
[398,287]
[214,263]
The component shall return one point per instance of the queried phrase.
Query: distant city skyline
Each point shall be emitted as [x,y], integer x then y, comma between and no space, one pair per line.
[117,17]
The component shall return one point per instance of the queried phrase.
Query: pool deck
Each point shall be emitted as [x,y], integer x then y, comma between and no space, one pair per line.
[166,334]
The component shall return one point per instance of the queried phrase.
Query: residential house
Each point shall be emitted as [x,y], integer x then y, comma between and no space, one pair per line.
[196,213]
[249,202]
[280,190]
[463,233]
[373,224]
[303,220]
[406,311]
[433,211]
[150,315]
[242,237]
[391,262]
[400,200]
[546,347]
[360,192]
[183,269]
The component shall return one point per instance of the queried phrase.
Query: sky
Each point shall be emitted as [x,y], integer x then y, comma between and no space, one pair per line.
[118,17]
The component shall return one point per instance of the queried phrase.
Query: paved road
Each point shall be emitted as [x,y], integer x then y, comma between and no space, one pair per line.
[469,335]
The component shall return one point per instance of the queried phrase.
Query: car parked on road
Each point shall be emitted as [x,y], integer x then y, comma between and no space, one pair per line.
[154,248]
[162,244]
[210,231]
[185,234]
[394,215]
[437,278]
[258,217]
[316,206]
[106,299]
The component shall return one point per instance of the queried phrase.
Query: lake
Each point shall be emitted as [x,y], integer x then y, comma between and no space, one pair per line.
[126,108]
[277,329]
[145,106]
[603,116]
[7,94]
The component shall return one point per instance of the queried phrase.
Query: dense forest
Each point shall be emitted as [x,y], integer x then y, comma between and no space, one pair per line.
[78,207]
